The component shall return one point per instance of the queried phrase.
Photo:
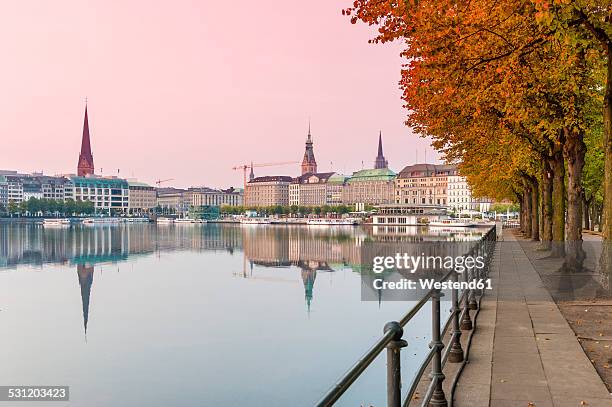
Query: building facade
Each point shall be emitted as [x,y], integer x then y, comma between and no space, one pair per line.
[424,184]
[267,191]
[108,194]
[460,198]
[372,187]
[172,200]
[311,189]
[3,191]
[142,197]
[204,196]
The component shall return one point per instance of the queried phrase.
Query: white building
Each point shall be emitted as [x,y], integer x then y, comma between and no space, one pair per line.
[460,199]
[107,194]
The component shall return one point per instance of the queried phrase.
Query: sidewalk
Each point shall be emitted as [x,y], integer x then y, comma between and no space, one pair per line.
[524,353]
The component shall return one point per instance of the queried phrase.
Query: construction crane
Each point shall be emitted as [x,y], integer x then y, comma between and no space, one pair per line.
[161,181]
[245,167]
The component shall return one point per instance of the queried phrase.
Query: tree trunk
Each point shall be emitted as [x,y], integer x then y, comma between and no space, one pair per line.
[558,203]
[574,151]
[546,202]
[535,224]
[528,218]
[586,213]
[605,223]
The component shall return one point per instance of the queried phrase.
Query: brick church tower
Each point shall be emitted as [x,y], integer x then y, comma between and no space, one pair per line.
[86,163]
[309,164]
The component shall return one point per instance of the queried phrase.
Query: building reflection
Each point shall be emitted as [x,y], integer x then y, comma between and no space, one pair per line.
[85,274]
[310,250]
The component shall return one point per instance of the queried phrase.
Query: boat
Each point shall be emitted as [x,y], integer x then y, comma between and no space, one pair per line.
[331,222]
[101,221]
[255,221]
[184,221]
[165,221]
[56,222]
[454,222]
[137,220]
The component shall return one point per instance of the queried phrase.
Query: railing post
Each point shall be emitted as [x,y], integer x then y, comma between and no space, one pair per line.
[466,321]
[472,293]
[394,377]
[438,399]
[455,354]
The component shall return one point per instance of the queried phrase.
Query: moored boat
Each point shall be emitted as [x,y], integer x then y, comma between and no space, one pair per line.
[185,221]
[255,221]
[56,222]
[165,221]
[331,222]
[452,222]
[101,221]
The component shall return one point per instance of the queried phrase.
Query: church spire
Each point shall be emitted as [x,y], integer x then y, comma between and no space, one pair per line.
[380,162]
[309,164]
[252,174]
[86,163]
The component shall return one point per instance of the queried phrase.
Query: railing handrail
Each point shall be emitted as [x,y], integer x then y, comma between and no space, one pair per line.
[392,337]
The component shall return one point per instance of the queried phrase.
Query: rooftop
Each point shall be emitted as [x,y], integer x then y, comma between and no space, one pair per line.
[427,170]
[272,178]
[138,184]
[377,174]
[313,177]
[100,181]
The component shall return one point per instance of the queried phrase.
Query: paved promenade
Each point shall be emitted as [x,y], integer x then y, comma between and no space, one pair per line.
[524,353]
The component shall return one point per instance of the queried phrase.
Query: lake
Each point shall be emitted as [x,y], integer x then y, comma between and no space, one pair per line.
[197,315]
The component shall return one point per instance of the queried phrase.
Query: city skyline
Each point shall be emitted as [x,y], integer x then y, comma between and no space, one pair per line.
[177,105]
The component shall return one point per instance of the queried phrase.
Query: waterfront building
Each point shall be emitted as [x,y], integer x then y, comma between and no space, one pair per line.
[3,191]
[335,189]
[56,188]
[108,194]
[17,188]
[381,161]
[182,200]
[371,186]
[309,164]
[85,165]
[268,191]
[424,184]
[204,196]
[172,200]
[31,189]
[311,189]
[142,197]
[460,198]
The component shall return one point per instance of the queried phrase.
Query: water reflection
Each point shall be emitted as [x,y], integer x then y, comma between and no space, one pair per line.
[189,301]
[310,249]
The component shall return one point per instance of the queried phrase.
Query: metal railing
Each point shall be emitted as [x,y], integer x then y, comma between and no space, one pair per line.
[439,354]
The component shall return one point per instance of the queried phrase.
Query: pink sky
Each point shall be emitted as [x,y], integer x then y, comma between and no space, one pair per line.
[188,89]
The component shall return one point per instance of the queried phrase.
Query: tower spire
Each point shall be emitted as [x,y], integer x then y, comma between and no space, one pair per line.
[309,164]
[380,161]
[86,163]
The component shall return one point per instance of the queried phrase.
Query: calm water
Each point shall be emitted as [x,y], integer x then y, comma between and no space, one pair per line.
[208,315]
